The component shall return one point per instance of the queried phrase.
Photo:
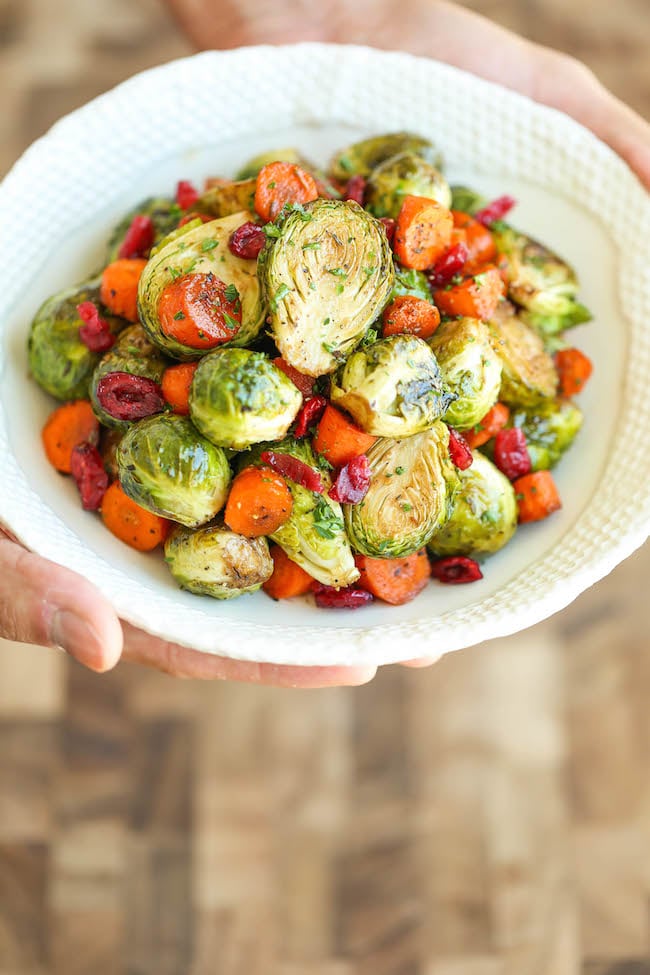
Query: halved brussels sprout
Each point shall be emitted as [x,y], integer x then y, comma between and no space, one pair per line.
[408,281]
[327,276]
[213,561]
[164,212]
[58,360]
[529,375]
[361,157]
[392,388]
[167,467]
[314,536]
[239,398]
[132,353]
[469,368]
[251,168]
[550,429]
[484,513]
[202,249]
[466,200]
[226,199]
[412,487]
[404,175]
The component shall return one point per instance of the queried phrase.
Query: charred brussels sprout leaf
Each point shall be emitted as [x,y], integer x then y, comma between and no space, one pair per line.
[132,353]
[164,212]
[213,561]
[167,467]
[550,430]
[484,513]
[400,176]
[362,157]
[327,275]
[470,369]
[227,199]
[239,398]
[392,388]
[528,376]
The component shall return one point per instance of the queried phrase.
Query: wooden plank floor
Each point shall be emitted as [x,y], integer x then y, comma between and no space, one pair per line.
[489,816]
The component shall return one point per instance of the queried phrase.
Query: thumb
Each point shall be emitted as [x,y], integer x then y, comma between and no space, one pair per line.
[43,603]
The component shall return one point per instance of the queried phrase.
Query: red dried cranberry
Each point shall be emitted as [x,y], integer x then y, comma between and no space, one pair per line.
[327,597]
[449,265]
[310,413]
[87,469]
[139,238]
[294,469]
[389,226]
[95,333]
[459,450]
[496,210]
[247,241]
[511,454]
[352,481]
[128,397]
[355,189]
[186,194]
[456,570]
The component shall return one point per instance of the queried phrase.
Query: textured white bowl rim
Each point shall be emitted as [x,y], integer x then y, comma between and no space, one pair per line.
[554,152]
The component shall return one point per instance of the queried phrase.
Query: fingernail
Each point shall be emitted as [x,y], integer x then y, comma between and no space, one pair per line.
[74,635]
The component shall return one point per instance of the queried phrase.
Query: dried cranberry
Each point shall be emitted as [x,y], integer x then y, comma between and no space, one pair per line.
[449,265]
[128,397]
[511,454]
[87,469]
[247,241]
[389,226]
[95,332]
[355,189]
[310,413]
[327,597]
[294,469]
[456,570]
[186,194]
[459,450]
[496,210]
[352,481]
[139,238]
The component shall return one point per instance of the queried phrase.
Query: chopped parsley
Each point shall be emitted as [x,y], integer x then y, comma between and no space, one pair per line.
[230,322]
[209,244]
[313,246]
[340,288]
[327,523]
[406,506]
[179,316]
[479,280]
[281,293]
[271,230]
[339,272]
[322,461]
[345,164]
[400,470]
[231,293]
[370,337]
[174,272]
[329,347]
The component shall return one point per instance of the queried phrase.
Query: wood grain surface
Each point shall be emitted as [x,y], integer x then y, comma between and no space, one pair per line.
[488,816]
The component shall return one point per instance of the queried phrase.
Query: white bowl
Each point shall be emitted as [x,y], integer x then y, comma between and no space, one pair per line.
[204,116]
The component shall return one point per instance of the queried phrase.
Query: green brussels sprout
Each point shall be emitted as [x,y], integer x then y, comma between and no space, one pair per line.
[58,360]
[213,561]
[362,157]
[226,199]
[408,281]
[251,168]
[164,212]
[132,353]
[484,513]
[550,429]
[400,176]
[392,388]
[314,536]
[469,368]
[201,249]
[239,398]
[466,200]
[165,466]
[413,483]
[528,376]
[327,276]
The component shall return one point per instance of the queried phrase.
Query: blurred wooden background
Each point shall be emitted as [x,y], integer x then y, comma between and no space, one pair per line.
[489,816]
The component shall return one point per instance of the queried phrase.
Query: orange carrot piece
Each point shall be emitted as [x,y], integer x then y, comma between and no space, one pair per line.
[199,310]
[395,581]
[288,578]
[338,439]
[67,426]
[423,232]
[279,183]
[175,385]
[416,316]
[129,522]
[258,503]
[537,496]
[478,239]
[475,297]
[119,287]
[493,421]
[574,369]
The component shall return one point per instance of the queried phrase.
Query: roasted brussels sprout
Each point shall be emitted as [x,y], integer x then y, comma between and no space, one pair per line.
[164,212]
[201,251]
[550,430]
[213,561]
[58,360]
[484,514]
[410,497]
[466,200]
[469,368]
[529,375]
[392,388]
[408,281]
[109,440]
[327,276]
[251,168]
[227,198]
[239,398]
[400,176]
[132,353]
[362,157]
[167,467]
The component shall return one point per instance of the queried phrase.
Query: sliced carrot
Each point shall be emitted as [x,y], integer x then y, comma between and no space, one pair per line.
[288,578]
[478,239]
[395,581]
[67,426]
[199,311]
[119,287]
[258,503]
[136,526]
[423,232]
[574,369]
[537,496]
[304,383]
[475,297]
[416,316]
[175,385]
[338,439]
[493,421]
[279,183]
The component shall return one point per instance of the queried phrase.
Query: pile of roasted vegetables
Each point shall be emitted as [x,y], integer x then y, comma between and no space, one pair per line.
[337,382]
